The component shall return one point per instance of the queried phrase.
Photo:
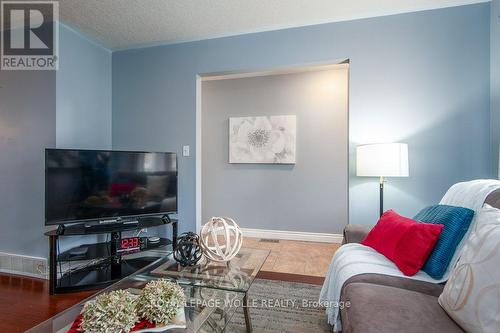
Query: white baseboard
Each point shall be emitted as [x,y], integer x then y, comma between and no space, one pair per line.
[23,265]
[292,235]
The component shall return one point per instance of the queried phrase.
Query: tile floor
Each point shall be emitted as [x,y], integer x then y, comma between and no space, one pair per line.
[295,257]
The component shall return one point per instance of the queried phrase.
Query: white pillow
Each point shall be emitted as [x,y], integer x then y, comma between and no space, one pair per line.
[472,294]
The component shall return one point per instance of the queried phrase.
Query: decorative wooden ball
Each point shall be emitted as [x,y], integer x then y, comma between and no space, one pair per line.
[187,249]
[220,239]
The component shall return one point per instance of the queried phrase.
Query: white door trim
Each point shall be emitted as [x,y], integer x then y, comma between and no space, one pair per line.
[198,161]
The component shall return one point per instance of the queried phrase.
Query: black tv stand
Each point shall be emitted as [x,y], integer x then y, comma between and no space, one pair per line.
[117,225]
[102,263]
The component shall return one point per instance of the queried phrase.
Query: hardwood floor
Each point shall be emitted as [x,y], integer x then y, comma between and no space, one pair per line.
[25,302]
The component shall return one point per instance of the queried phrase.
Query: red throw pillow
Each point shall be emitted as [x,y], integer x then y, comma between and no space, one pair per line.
[404,241]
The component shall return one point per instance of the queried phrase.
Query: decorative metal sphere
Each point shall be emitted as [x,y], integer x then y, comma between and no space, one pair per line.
[220,239]
[187,249]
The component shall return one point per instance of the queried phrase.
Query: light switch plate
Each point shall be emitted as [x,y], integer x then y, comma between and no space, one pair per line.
[185,151]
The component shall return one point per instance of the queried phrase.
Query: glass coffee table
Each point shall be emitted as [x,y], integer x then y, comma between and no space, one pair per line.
[214,291]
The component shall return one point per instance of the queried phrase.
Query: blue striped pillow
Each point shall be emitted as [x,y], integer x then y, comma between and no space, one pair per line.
[456,221]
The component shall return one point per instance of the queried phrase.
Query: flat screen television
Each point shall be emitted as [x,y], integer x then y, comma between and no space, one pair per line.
[101,185]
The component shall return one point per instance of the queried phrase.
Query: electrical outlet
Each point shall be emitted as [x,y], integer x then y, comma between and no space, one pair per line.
[185,151]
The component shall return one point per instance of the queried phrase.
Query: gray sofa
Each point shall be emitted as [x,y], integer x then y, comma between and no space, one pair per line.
[386,304]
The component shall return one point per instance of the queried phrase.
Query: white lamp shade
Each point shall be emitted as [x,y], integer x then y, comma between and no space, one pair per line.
[382,160]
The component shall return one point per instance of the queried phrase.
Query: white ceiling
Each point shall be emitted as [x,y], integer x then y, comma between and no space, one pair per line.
[119,24]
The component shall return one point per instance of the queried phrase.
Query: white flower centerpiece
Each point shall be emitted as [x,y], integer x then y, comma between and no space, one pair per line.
[112,312]
[119,311]
[160,301]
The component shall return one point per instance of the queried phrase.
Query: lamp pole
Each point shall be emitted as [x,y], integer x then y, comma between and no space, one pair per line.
[381,182]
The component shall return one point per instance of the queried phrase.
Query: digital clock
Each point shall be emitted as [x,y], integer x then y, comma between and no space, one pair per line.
[132,244]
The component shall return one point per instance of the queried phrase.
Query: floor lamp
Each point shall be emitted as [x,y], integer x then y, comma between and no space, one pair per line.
[382,160]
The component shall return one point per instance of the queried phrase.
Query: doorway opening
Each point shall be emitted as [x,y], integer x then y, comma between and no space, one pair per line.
[305,200]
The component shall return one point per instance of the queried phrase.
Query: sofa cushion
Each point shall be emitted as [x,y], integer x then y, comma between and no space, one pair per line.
[355,233]
[471,295]
[456,221]
[404,241]
[378,308]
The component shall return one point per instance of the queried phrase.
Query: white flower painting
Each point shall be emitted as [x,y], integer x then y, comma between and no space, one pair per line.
[262,139]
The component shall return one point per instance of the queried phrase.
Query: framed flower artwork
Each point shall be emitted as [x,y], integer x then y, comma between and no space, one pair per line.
[263,139]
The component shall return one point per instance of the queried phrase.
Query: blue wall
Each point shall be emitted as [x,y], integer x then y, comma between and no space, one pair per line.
[83,117]
[495,83]
[40,109]
[27,126]
[83,93]
[420,78]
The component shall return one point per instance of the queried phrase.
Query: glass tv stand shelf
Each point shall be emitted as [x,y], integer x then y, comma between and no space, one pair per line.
[116,251]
